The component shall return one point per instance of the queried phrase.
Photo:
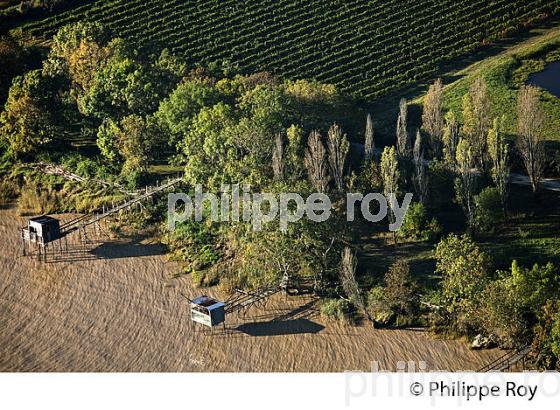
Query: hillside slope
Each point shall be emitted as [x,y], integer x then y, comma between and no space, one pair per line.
[365,47]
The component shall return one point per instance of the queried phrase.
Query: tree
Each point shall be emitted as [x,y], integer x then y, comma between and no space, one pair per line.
[400,288]
[420,178]
[278,160]
[212,156]
[403,143]
[476,120]
[369,145]
[499,153]
[338,150]
[500,314]
[84,63]
[466,182]
[417,226]
[129,142]
[432,116]
[390,175]
[10,51]
[294,153]
[450,140]
[488,209]
[530,142]
[28,120]
[464,269]
[123,86]
[316,162]
[349,283]
[176,112]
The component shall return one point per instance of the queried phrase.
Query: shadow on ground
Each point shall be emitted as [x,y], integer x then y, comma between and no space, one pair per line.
[280,328]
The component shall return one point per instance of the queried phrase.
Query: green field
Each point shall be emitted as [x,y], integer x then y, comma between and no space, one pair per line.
[367,48]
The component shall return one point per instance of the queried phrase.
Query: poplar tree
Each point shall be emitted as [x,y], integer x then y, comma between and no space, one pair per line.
[499,153]
[450,140]
[390,176]
[476,121]
[465,183]
[403,145]
[315,160]
[530,142]
[369,145]
[432,116]
[338,151]
[420,178]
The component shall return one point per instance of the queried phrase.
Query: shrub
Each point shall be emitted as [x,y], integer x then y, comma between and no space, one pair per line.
[8,191]
[194,243]
[416,225]
[34,200]
[205,278]
[488,214]
[379,306]
[335,309]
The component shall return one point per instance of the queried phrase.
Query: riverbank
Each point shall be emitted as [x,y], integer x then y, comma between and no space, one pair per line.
[118,306]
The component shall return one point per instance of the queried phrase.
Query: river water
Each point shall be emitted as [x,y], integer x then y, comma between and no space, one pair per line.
[548,79]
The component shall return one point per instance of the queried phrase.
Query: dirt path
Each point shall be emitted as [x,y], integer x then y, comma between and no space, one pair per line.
[117,308]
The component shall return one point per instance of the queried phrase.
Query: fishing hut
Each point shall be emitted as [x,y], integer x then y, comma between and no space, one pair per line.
[207,311]
[40,231]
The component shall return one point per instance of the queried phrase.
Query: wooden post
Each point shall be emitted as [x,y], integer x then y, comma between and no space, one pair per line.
[23,242]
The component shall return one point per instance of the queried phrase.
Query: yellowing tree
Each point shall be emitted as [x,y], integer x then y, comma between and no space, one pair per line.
[476,120]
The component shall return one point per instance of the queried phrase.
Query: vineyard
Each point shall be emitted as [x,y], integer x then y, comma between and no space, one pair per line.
[367,48]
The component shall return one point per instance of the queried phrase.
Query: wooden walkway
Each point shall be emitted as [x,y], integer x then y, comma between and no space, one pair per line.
[507,361]
[243,300]
[90,219]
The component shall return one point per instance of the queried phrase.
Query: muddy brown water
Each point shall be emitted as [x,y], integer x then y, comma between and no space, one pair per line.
[115,306]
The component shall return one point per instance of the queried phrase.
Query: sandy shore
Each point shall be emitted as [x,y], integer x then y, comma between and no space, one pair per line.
[115,306]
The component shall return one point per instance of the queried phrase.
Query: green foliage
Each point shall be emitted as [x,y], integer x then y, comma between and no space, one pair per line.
[488,209]
[194,243]
[555,336]
[536,285]
[130,141]
[10,51]
[500,313]
[396,298]
[379,306]
[417,226]
[122,87]
[28,121]
[336,309]
[464,269]
[175,114]
[400,289]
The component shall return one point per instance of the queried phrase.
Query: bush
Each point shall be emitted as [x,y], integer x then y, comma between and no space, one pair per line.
[205,278]
[488,214]
[417,227]
[379,306]
[194,243]
[34,200]
[336,309]
[8,191]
